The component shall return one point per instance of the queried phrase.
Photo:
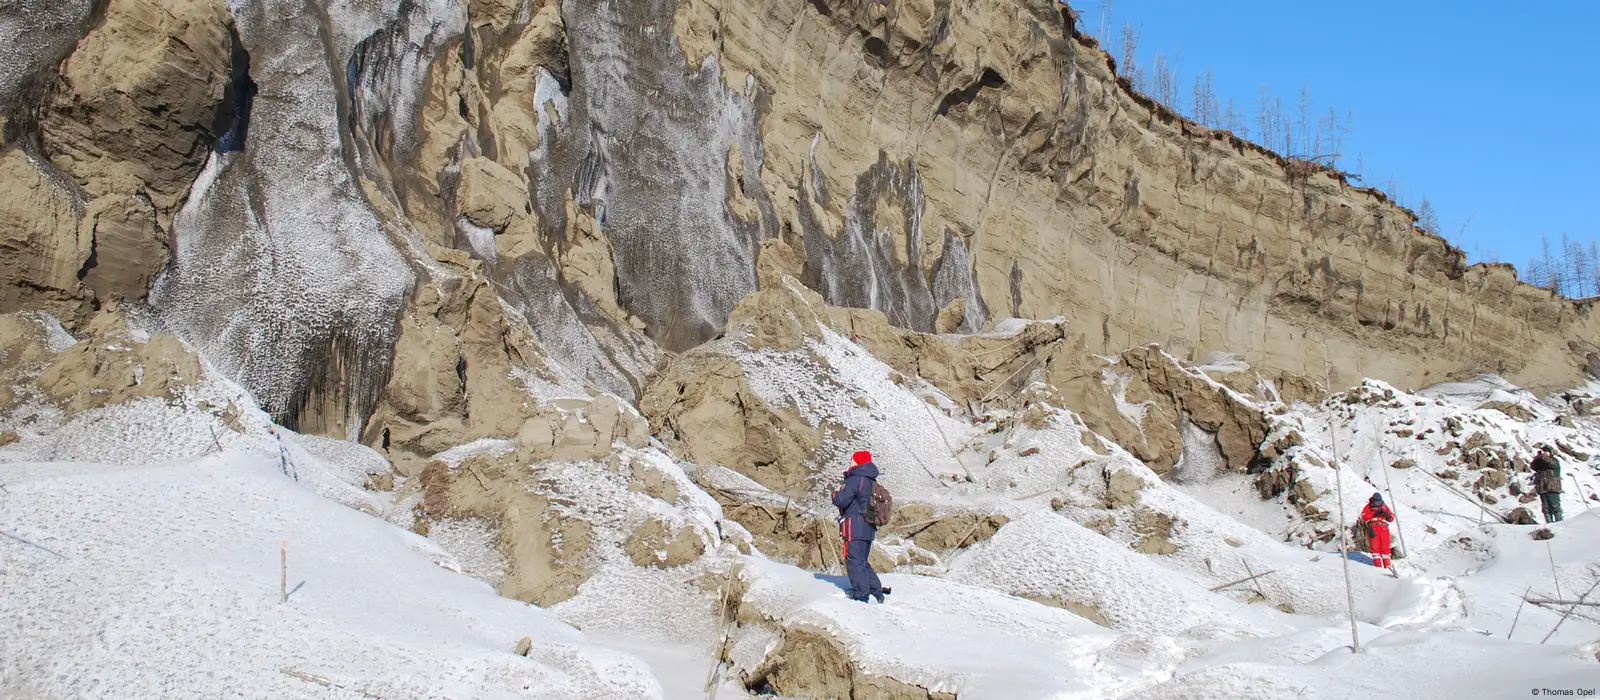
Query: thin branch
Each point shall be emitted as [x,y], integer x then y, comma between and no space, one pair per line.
[1247,578]
[31,544]
[1549,601]
[1514,618]
[946,440]
[1568,613]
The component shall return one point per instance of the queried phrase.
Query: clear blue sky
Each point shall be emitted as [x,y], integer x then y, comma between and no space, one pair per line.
[1492,110]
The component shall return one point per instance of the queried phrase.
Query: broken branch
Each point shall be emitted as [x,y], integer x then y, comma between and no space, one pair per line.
[1247,578]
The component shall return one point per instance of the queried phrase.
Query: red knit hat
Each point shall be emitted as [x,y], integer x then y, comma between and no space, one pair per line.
[861,457]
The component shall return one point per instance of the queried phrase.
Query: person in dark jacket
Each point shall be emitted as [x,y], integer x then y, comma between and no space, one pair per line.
[1547,482]
[852,500]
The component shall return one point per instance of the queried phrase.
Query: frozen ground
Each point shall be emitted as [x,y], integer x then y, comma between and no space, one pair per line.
[141,545]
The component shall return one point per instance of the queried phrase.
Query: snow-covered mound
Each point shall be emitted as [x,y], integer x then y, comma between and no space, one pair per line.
[939,636]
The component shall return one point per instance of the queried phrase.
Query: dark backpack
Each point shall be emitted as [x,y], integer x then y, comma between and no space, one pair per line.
[880,506]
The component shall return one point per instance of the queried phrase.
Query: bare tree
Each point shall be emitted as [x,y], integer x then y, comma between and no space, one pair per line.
[1205,101]
[1233,121]
[1575,267]
[1104,35]
[1130,56]
[1328,145]
[1594,268]
[1161,86]
[1544,270]
[1427,218]
[1267,117]
[1305,121]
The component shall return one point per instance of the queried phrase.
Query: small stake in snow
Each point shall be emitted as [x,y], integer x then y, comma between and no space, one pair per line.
[946,439]
[40,547]
[1579,485]
[214,439]
[1569,611]
[1247,578]
[1257,584]
[1514,618]
[1553,577]
[1549,601]
[1344,532]
[283,569]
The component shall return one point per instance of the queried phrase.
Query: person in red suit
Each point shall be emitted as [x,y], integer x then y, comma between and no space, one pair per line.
[1377,516]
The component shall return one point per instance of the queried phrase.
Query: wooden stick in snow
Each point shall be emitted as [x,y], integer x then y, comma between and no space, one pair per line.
[1247,578]
[283,570]
[1247,570]
[214,439]
[946,440]
[1514,618]
[1009,377]
[1344,531]
[15,538]
[1579,486]
[1553,577]
[919,462]
[1463,496]
[323,682]
[1551,601]
[1566,614]
[1035,495]
[970,533]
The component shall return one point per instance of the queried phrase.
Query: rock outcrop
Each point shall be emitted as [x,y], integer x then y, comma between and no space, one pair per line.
[546,549]
[100,164]
[109,365]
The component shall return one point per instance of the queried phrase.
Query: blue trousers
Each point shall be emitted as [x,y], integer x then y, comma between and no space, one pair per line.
[863,580]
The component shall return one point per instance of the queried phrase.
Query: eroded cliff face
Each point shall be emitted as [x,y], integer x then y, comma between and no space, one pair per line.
[362,210]
[979,159]
[1061,193]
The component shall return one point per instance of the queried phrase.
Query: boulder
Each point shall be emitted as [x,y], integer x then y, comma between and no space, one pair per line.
[1123,487]
[656,543]
[1492,479]
[1155,530]
[1510,408]
[1520,516]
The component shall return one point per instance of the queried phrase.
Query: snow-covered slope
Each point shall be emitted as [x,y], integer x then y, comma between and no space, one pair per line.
[164,581]
[141,556]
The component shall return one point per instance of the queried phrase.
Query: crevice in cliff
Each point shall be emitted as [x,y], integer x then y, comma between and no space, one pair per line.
[877,51]
[990,79]
[232,121]
[93,260]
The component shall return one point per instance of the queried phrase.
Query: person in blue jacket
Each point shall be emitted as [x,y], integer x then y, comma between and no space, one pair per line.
[852,500]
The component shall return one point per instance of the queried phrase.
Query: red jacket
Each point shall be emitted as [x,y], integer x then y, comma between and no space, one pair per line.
[1382,516]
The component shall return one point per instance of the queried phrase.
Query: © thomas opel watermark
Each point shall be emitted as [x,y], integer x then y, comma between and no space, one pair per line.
[1564,692]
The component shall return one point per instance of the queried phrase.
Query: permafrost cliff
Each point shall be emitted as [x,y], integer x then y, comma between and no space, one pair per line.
[614,168]
[606,291]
